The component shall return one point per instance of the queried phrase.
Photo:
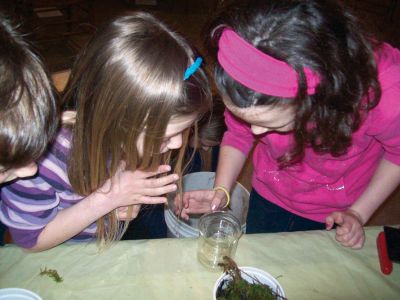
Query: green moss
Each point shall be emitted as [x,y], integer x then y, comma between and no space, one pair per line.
[243,290]
[236,288]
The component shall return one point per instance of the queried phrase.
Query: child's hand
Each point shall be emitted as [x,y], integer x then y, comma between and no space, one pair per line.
[200,201]
[193,202]
[349,231]
[138,187]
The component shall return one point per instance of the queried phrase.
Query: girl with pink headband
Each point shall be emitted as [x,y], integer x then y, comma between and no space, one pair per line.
[318,101]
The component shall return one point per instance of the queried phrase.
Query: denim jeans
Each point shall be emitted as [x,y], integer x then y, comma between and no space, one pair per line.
[265,216]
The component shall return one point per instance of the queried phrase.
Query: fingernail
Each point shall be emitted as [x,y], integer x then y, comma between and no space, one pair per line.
[213,207]
[168,168]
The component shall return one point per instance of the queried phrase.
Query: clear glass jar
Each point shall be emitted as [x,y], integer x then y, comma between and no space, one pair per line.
[219,233]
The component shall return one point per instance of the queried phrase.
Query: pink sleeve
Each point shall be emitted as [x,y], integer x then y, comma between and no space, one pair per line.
[385,118]
[238,135]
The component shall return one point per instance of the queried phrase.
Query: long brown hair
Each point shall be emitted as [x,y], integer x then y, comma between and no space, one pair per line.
[128,80]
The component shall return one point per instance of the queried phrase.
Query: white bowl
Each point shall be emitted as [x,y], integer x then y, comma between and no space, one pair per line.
[247,274]
[18,294]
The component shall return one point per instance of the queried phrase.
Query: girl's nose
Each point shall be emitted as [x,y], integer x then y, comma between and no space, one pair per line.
[175,142]
[26,171]
[257,130]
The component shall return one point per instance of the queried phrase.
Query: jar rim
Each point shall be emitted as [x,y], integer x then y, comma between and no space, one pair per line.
[223,215]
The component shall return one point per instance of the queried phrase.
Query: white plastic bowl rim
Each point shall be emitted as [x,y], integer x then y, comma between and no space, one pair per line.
[261,275]
[18,293]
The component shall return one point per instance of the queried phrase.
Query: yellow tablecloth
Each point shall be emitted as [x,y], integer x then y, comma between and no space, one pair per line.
[309,265]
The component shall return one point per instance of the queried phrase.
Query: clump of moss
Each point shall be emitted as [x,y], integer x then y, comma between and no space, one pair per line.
[236,288]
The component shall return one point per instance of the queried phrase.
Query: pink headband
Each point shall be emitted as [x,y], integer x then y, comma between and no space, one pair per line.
[259,71]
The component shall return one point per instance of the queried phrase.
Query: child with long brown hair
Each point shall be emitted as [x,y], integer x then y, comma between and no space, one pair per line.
[138,88]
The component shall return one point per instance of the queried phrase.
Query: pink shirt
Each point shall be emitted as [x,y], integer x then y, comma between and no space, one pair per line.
[322,184]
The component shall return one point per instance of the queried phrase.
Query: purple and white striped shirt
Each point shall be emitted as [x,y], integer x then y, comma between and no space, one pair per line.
[28,205]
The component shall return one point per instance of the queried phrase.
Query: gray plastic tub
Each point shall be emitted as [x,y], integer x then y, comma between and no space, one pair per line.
[202,181]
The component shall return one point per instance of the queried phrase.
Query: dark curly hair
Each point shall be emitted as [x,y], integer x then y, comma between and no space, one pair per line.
[323,36]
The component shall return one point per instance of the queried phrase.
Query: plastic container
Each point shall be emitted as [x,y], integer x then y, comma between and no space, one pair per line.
[219,235]
[248,274]
[18,294]
[178,228]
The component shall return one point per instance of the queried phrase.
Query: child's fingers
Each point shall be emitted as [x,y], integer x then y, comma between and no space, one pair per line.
[159,182]
[151,200]
[215,204]
[160,170]
[350,241]
[350,235]
[329,222]
[343,237]
[177,204]
[186,199]
[335,217]
[157,191]
[338,218]
[350,225]
[354,241]
[185,202]
[343,229]
[184,215]
[218,198]
[359,243]
[357,240]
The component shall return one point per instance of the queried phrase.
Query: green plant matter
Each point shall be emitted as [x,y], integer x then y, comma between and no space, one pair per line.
[236,288]
[52,274]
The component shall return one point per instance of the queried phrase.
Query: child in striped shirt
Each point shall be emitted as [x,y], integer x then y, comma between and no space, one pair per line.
[28,108]
[137,89]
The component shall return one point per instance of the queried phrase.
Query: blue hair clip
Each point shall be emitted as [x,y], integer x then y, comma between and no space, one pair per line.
[193,68]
